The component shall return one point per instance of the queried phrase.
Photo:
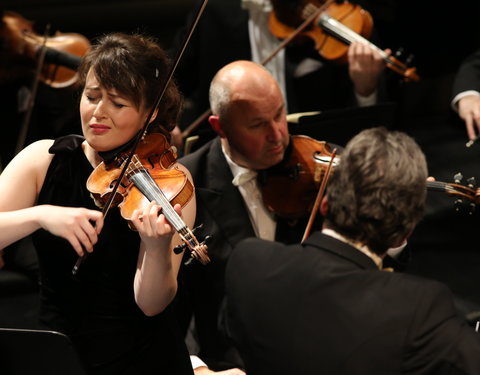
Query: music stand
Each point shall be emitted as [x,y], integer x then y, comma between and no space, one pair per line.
[27,351]
[338,126]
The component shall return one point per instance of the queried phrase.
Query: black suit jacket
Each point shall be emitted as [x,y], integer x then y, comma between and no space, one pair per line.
[324,308]
[468,75]
[222,37]
[223,215]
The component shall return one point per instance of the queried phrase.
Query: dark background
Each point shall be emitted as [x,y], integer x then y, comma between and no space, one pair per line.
[439,35]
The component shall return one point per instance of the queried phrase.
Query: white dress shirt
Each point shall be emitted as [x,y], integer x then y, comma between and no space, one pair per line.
[262,220]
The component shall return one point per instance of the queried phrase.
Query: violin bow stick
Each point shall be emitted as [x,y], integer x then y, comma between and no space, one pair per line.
[159,98]
[33,93]
[196,123]
[319,197]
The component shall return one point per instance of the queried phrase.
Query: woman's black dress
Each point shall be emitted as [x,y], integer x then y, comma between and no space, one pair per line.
[96,307]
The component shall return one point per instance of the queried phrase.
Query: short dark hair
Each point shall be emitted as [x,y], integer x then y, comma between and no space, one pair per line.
[136,66]
[376,195]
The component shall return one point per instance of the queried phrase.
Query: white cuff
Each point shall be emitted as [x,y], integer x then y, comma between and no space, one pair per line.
[197,362]
[462,95]
[365,101]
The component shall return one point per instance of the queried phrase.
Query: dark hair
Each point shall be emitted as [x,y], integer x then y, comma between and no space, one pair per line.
[376,195]
[136,66]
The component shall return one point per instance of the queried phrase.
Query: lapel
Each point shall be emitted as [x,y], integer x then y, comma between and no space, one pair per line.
[341,249]
[222,199]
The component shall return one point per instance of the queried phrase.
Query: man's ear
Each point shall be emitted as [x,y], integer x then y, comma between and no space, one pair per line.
[323,206]
[214,121]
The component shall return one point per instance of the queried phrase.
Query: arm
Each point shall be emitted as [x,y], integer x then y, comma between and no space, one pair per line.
[203,370]
[155,282]
[365,65]
[20,184]
[468,107]
[466,93]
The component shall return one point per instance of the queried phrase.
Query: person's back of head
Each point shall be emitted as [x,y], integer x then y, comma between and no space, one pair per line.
[376,195]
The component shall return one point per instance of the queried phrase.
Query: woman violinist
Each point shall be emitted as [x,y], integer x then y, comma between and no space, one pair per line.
[116,310]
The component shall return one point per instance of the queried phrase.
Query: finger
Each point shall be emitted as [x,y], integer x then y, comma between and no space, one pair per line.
[163,226]
[84,239]
[178,209]
[469,125]
[88,230]
[98,222]
[136,219]
[76,245]
[153,216]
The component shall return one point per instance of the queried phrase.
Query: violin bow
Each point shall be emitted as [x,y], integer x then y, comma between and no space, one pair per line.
[196,123]
[319,197]
[139,136]
[33,93]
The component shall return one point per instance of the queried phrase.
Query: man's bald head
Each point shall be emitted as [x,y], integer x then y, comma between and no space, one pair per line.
[249,115]
[239,81]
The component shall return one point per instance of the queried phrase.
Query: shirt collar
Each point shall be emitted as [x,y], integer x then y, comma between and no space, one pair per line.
[364,249]
[236,169]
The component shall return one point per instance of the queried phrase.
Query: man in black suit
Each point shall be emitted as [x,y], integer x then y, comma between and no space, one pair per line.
[231,30]
[249,117]
[466,93]
[327,306]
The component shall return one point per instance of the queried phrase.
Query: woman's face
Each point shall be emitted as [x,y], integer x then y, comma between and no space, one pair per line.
[109,119]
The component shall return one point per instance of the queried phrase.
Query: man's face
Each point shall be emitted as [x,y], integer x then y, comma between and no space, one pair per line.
[256,128]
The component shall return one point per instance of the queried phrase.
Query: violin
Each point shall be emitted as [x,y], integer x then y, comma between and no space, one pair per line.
[63,51]
[304,168]
[333,31]
[299,175]
[464,193]
[132,173]
[149,176]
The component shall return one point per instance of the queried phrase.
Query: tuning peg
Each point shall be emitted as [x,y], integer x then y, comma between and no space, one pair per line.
[399,52]
[458,178]
[179,248]
[458,204]
[409,59]
[471,182]
[472,206]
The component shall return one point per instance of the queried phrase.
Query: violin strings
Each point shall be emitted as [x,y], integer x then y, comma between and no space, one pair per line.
[147,185]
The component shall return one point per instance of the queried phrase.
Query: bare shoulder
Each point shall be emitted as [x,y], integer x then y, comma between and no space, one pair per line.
[34,156]
[23,177]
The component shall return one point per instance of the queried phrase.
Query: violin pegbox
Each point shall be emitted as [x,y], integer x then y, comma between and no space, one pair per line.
[461,204]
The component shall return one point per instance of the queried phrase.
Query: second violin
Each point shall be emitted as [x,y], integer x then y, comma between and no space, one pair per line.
[333,31]
[299,175]
[63,51]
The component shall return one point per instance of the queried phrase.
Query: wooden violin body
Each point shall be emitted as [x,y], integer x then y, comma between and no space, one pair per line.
[155,155]
[289,189]
[283,23]
[21,43]
[150,176]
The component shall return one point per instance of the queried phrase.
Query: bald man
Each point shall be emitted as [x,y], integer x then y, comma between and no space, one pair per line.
[249,117]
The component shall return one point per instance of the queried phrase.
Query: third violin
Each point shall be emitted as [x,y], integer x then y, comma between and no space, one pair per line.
[333,30]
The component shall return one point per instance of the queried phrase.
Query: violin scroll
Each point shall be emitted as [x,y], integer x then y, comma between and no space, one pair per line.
[467,194]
